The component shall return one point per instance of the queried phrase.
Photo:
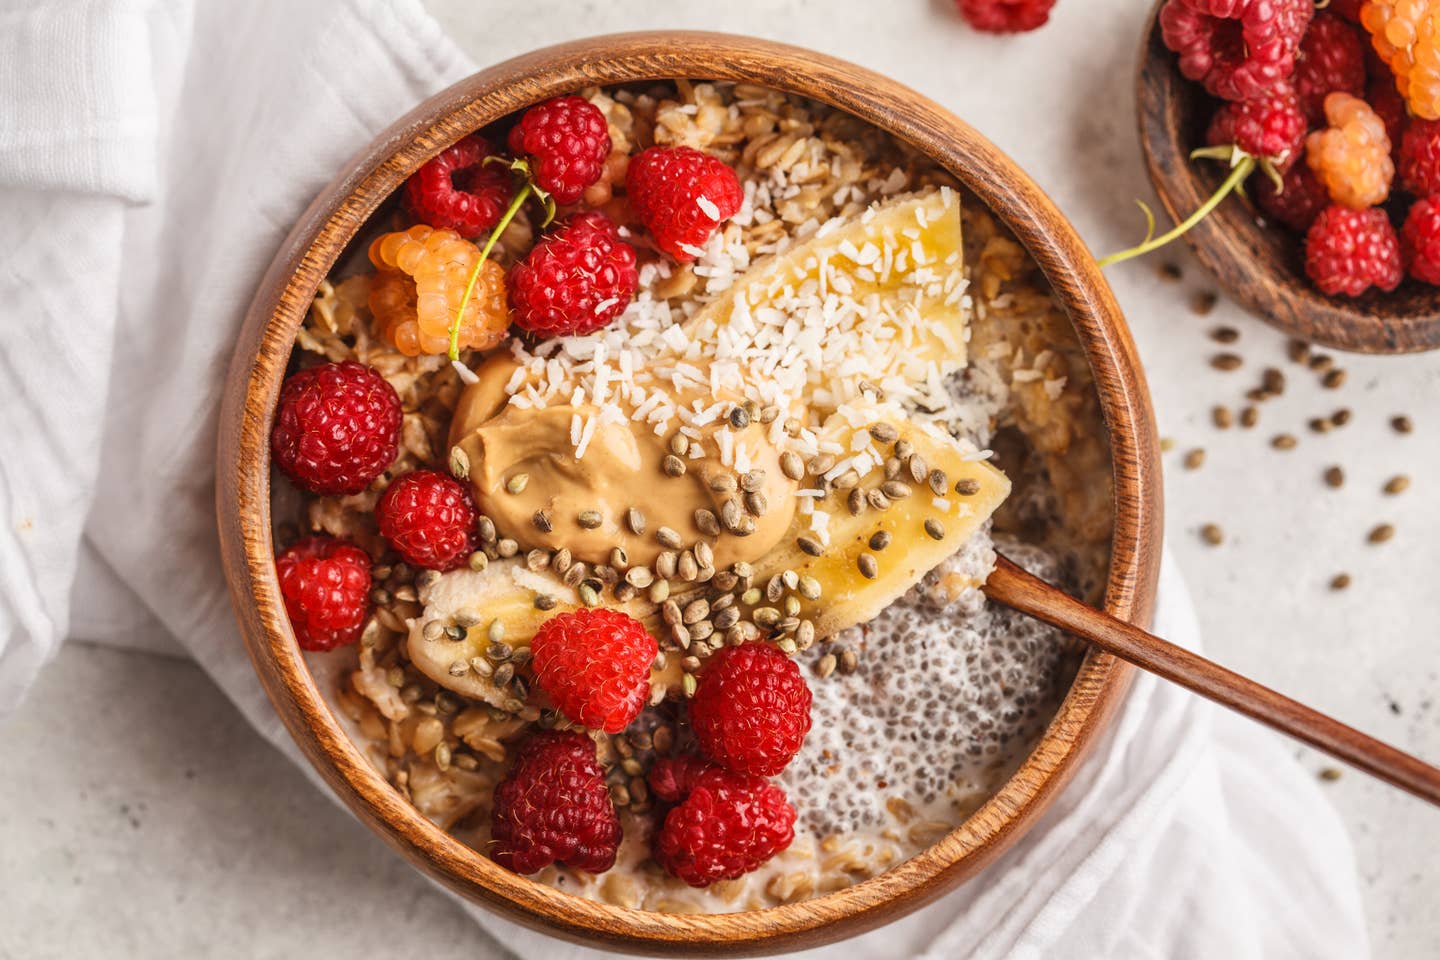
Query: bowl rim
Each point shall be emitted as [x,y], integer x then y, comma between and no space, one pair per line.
[264,347]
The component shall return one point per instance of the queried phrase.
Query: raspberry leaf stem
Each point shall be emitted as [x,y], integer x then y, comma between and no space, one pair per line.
[514,208]
[1237,176]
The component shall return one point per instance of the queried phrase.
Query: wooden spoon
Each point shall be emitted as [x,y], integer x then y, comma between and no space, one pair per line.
[1261,266]
[1014,587]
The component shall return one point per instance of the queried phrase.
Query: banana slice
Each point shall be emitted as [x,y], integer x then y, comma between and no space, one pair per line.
[873,558]
[906,255]
[499,603]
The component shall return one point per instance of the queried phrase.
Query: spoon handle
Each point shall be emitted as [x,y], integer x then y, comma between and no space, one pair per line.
[1016,588]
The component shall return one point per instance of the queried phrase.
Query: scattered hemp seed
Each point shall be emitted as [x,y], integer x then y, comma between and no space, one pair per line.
[1397,484]
[1222,417]
[589,519]
[1249,416]
[1341,417]
[1331,774]
[1195,459]
[1167,444]
[1298,351]
[967,487]
[1320,362]
[869,567]
[1334,477]
[1321,424]
[792,466]
[1340,581]
[1284,441]
[1226,361]
[517,483]
[1402,424]
[739,418]
[1333,379]
[1224,334]
[541,519]
[1212,534]
[935,529]
[1203,303]
[1381,533]
[672,466]
[1169,272]
[1272,381]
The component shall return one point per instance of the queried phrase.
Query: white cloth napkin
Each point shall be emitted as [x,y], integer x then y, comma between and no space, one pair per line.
[153,156]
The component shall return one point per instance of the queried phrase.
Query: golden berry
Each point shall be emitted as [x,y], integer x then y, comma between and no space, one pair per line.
[419,284]
[1406,35]
[1351,157]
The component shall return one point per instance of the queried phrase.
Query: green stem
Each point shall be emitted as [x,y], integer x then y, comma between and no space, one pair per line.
[1237,177]
[515,204]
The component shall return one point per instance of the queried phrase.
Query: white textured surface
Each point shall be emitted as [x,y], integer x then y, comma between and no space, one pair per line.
[222,863]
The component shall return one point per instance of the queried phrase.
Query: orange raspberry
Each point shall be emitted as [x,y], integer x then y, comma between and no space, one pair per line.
[1351,157]
[420,281]
[1406,35]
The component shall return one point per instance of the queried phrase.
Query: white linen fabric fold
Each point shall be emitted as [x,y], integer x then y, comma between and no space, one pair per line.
[153,156]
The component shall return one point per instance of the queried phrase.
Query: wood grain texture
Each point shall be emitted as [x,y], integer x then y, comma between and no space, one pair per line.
[338,213]
[1261,267]
[1016,588]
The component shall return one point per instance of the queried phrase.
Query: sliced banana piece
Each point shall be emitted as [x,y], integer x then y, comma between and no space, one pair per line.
[869,560]
[905,255]
[501,604]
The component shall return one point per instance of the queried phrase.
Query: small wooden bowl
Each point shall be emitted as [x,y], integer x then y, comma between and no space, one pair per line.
[1262,267]
[243,488]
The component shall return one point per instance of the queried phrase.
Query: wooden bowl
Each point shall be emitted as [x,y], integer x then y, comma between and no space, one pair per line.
[1261,266]
[243,488]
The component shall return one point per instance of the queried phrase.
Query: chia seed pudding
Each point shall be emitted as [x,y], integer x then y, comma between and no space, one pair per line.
[925,704]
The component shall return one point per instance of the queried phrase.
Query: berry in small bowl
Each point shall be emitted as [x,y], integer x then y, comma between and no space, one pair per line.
[1338,285]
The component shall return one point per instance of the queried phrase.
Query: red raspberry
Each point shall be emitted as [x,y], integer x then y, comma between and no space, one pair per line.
[326,586]
[1420,157]
[458,191]
[1299,203]
[1420,240]
[595,666]
[1349,9]
[567,140]
[337,428]
[1238,49]
[751,710]
[429,518]
[725,824]
[1348,251]
[1390,107]
[1005,16]
[682,195]
[1332,57]
[1271,127]
[553,807]
[575,280]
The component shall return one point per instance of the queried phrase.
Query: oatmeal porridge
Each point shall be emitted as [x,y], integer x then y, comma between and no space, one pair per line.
[692,496]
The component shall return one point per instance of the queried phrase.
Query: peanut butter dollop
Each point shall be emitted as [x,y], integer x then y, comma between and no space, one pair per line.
[622,468]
